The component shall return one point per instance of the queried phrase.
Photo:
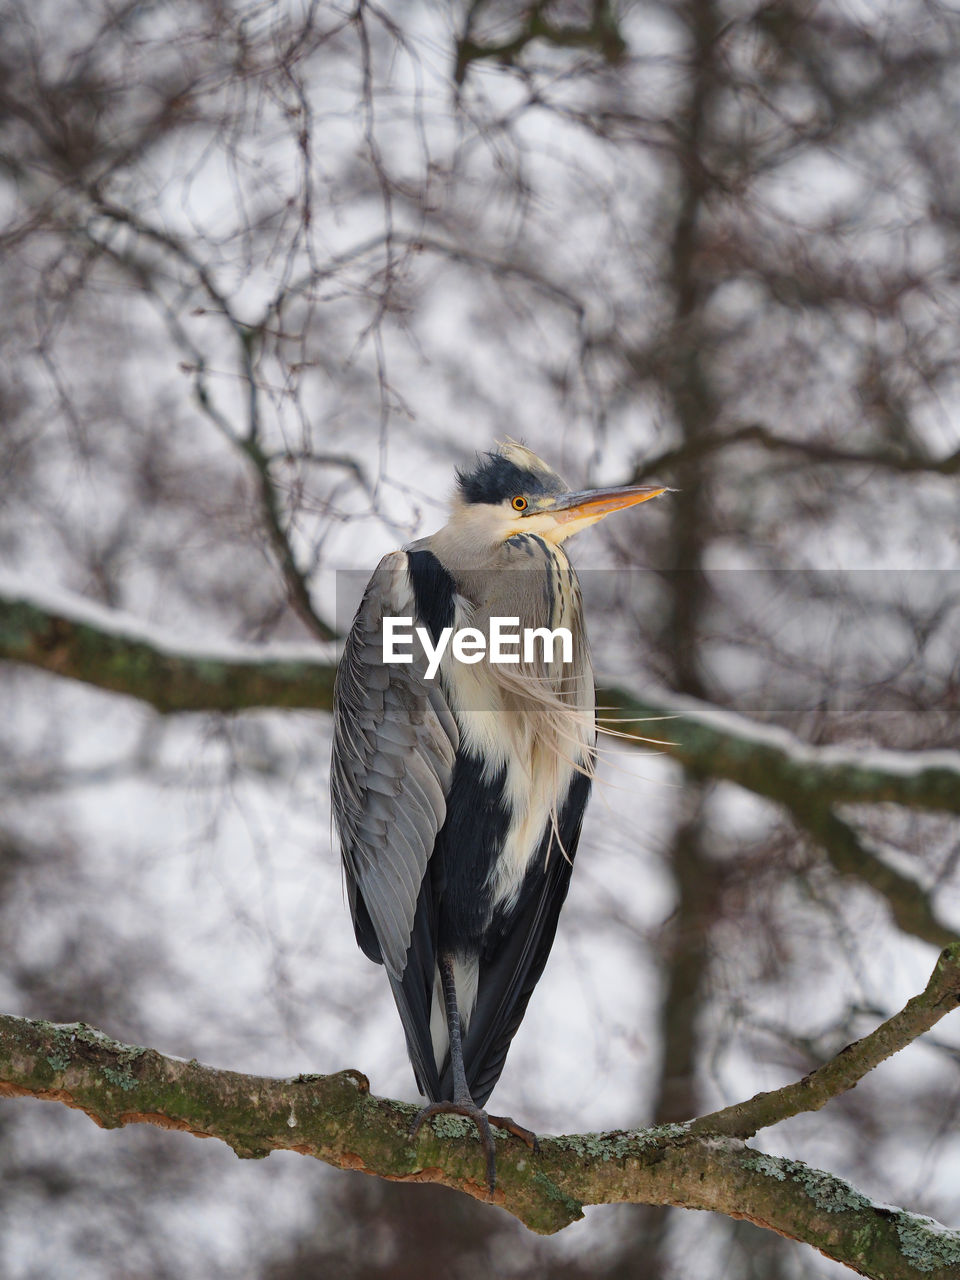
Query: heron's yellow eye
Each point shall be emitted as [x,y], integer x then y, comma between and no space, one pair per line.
[519,504]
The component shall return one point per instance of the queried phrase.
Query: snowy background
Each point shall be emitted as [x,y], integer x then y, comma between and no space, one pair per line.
[270,271]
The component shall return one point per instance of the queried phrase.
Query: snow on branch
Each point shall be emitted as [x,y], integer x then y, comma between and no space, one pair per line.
[773,762]
[118,653]
[111,651]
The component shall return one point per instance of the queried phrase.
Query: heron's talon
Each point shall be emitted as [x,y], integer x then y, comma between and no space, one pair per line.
[518,1131]
[472,1112]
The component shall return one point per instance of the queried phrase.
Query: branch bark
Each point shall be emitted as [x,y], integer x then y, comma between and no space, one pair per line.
[601,35]
[704,1164]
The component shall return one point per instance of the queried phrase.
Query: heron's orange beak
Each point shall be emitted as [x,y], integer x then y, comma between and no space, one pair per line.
[594,504]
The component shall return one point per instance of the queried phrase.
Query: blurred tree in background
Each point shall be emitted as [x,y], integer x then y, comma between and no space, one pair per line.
[269,271]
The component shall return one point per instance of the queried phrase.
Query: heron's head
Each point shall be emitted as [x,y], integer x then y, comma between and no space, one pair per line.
[513,491]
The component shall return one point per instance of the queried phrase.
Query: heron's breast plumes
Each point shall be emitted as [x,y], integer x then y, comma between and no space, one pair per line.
[535,719]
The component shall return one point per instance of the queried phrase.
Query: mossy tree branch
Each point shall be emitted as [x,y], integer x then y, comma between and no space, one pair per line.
[105,650]
[772,762]
[86,646]
[701,1165]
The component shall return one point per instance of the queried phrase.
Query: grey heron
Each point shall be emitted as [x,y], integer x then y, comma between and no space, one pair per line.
[459,798]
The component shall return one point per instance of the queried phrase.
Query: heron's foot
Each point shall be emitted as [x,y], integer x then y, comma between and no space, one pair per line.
[479,1117]
[518,1131]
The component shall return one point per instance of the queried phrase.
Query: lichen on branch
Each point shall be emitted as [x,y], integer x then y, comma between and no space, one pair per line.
[704,1164]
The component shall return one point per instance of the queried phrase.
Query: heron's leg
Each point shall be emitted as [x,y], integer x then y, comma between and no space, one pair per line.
[461,1092]
[462,1102]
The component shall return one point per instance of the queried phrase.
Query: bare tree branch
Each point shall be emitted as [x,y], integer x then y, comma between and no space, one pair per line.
[105,650]
[815,451]
[248,442]
[851,1064]
[701,1165]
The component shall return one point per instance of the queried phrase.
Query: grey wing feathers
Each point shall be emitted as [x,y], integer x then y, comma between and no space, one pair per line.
[394,745]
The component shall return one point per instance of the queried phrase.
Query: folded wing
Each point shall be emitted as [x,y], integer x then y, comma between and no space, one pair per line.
[394,745]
